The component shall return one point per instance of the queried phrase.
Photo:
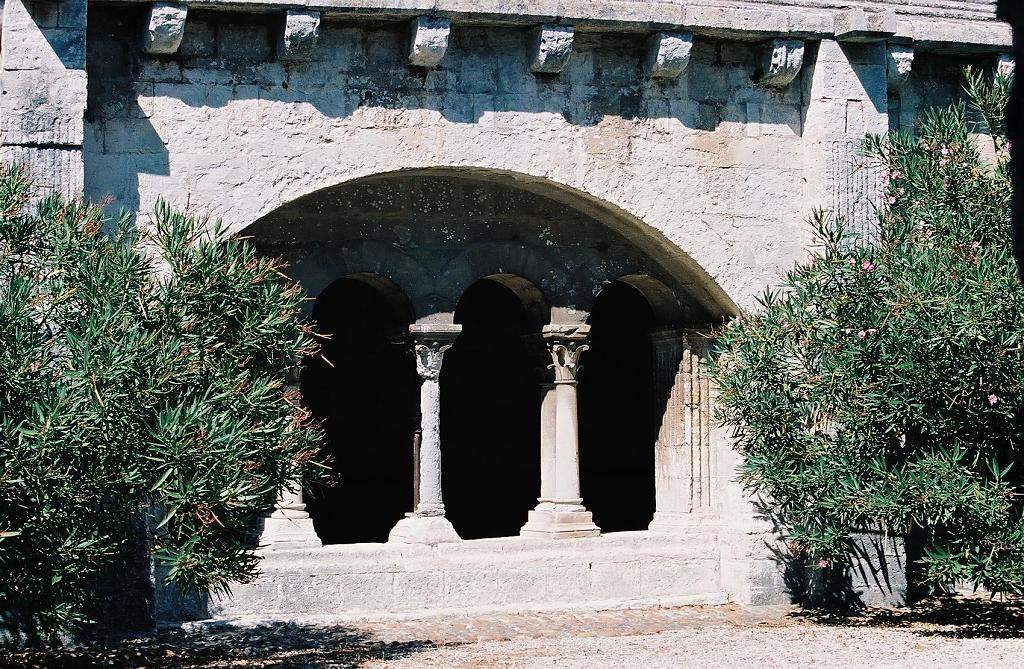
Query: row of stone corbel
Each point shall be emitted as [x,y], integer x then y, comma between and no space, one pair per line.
[668,53]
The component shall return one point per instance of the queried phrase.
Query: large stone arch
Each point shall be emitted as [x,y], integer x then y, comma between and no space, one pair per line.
[439,291]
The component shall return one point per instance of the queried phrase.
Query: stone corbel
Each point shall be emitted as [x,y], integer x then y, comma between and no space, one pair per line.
[164,28]
[552,49]
[668,54]
[857,25]
[429,41]
[1006,65]
[299,34]
[900,60]
[781,62]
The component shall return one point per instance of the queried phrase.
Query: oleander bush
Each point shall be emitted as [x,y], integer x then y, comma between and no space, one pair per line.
[880,388]
[142,385]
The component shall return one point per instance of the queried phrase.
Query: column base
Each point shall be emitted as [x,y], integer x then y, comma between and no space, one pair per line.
[559,521]
[282,530]
[429,530]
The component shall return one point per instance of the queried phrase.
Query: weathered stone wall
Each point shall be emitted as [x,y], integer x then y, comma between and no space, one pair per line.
[709,168]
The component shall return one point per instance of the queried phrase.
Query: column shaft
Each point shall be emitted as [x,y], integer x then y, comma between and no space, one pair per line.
[430,502]
[560,513]
[567,449]
[548,414]
[427,524]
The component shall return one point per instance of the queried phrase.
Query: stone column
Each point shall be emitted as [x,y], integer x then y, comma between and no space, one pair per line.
[683,447]
[42,72]
[289,525]
[427,524]
[562,515]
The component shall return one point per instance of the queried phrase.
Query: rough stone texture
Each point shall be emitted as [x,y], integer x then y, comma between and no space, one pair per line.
[668,54]
[552,49]
[429,41]
[165,27]
[299,33]
[43,77]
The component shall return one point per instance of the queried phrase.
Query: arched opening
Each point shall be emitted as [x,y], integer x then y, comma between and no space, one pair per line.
[364,389]
[619,404]
[490,409]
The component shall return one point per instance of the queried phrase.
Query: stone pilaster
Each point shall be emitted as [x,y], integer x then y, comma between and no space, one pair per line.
[42,72]
[683,458]
[847,97]
[562,514]
[427,524]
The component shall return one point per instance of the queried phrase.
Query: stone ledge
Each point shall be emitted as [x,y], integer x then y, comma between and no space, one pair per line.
[617,570]
[966,29]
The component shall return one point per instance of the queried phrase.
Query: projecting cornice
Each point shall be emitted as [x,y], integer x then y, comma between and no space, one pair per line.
[933,25]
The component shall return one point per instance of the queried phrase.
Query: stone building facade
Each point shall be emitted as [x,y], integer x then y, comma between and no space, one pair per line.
[519,219]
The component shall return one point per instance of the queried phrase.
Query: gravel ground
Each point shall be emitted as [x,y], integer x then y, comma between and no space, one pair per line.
[730,647]
[946,633]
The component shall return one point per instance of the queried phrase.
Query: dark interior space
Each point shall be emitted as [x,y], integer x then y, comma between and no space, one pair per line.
[490,416]
[366,394]
[617,412]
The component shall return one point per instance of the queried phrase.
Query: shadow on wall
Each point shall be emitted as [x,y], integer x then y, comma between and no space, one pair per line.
[227,58]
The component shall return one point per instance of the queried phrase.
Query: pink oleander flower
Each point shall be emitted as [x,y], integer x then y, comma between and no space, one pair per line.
[853,263]
[897,174]
[862,334]
[892,199]
[975,244]
[868,266]
[872,331]
[823,564]
[943,162]
[945,151]
[993,399]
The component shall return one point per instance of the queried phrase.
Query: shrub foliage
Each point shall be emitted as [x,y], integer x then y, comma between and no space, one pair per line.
[880,388]
[142,383]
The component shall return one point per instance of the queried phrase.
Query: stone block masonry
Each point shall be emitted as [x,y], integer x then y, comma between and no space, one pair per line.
[43,76]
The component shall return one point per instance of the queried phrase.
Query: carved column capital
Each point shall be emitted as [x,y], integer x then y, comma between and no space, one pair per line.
[900,60]
[566,344]
[430,342]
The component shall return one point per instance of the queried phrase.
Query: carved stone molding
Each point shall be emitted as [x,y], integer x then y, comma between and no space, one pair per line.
[429,41]
[900,62]
[566,345]
[299,34]
[668,54]
[552,49]
[781,62]
[430,343]
[164,28]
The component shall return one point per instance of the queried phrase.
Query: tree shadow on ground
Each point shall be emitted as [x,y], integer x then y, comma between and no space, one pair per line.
[953,617]
[282,645]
